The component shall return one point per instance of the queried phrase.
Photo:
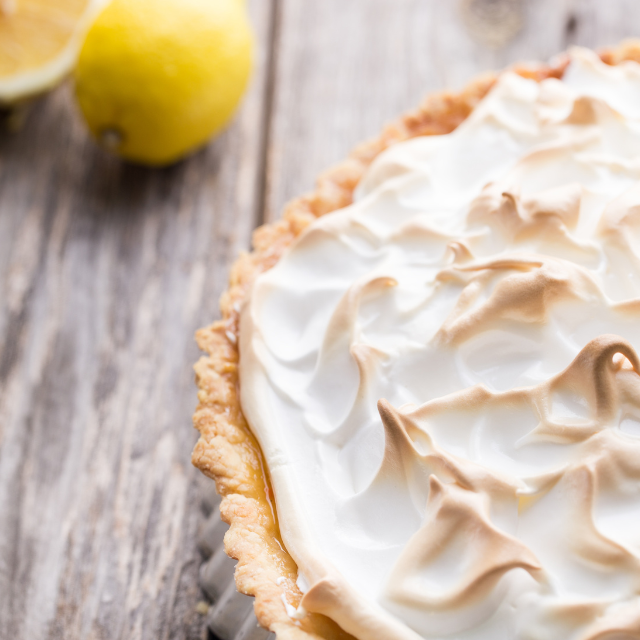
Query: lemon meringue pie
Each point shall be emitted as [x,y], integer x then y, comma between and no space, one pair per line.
[432,428]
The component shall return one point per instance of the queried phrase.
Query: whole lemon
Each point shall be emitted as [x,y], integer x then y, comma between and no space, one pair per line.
[156,78]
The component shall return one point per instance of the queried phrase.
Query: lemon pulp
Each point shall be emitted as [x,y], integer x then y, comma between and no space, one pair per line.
[39,42]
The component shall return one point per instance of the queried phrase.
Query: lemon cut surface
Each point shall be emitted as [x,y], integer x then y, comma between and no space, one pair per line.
[39,43]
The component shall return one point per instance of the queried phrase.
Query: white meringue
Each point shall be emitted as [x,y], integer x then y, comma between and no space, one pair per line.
[444,382]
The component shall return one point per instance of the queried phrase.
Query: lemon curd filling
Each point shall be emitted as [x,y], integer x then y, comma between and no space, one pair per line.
[444,382]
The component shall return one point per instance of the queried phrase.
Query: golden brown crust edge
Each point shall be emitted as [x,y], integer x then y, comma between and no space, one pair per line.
[226,451]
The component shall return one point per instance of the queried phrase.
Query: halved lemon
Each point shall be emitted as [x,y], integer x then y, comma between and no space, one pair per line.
[39,43]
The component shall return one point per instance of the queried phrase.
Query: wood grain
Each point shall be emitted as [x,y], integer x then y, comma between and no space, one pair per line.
[106,270]
[344,69]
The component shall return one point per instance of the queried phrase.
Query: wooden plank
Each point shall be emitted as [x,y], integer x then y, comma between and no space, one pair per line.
[344,69]
[106,270]
[548,27]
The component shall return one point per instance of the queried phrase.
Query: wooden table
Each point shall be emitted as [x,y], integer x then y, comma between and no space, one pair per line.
[107,269]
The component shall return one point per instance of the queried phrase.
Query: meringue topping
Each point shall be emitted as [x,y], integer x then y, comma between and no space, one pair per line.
[444,380]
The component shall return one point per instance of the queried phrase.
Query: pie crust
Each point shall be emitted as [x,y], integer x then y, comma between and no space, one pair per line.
[227,451]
